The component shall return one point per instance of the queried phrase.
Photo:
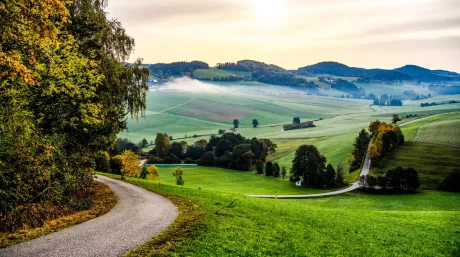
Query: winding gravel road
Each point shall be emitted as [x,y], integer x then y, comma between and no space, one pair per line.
[139,216]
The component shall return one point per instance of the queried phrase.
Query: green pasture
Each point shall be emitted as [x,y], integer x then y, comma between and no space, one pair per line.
[353,224]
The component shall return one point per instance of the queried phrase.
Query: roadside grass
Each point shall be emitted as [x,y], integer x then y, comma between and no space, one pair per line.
[104,201]
[353,224]
[233,181]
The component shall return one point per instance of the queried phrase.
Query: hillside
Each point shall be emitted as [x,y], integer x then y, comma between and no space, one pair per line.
[427,75]
[339,69]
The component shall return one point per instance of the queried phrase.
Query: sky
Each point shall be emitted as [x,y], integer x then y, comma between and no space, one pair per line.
[295,33]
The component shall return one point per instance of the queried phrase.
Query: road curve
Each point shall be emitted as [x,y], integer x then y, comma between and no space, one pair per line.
[139,216]
[364,171]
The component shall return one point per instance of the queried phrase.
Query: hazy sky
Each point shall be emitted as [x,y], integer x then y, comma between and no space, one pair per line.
[295,33]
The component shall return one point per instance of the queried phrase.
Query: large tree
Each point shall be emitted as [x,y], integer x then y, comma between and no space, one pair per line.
[64,96]
[308,164]
[162,145]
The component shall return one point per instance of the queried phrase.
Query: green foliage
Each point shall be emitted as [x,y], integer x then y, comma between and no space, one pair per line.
[452,182]
[116,165]
[242,157]
[360,147]
[296,120]
[171,159]
[276,170]
[143,174]
[162,145]
[309,165]
[283,172]
[102,161]
[269,169]
[222,147]
[255,123]
[260,167]
[207,159]
[178,174]
[236,123]
[397,180]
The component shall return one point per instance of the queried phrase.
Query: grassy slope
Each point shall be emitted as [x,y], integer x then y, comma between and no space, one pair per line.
[433,161]
[353,224]
[232,181]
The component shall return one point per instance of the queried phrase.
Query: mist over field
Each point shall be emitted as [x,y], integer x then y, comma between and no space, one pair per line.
[186,84]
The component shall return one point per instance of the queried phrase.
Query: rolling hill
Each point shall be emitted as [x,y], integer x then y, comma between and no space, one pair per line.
[427,75]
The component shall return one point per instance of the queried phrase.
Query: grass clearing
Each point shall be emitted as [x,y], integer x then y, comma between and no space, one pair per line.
[104,201]
[444,131]
[232,181]
[215,111]
[353,224]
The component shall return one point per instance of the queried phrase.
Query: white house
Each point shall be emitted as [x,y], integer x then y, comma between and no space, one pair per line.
[299,183]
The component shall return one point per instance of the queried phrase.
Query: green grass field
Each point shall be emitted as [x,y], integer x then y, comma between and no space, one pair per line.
[432,149]
[233,181]
[353,224]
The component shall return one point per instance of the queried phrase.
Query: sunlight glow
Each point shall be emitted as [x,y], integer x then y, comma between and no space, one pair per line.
[269,13]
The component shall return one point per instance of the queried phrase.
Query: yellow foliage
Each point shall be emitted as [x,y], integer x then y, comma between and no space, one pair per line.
[373,151]
[153,172]
[130,162]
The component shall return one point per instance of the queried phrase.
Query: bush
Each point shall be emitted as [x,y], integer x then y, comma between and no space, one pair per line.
[189,161]
[172,159]
[178,174]
[451,182]
[102,161]
[276,170]
[269,169]
[207,159]
[143,174]
[260,167]
[116,164]
[283,172]
[224,161]
[397,180]
[155,160]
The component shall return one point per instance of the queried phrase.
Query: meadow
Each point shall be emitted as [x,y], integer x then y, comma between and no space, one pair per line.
[432,148]
[232,181]
[353,224]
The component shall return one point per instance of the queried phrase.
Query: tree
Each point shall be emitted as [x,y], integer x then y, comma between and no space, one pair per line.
[102,162]
[269,169]
[195,151]
[222,147]
[116,164]
[130,162]
[162,145]
[143,143]
[360,145]
[401,180]
[207,159]
[340,176]
[452,181]
[65,95]
[221,131]
[178,174]
[236,123]
[283,172]
[242,157]
[296,120]
[255,123]
[176,149]
[152,172]
[276,170]
[171,159]
[308,164]
[396,119]
[143,174]
[329,176]
[260,167]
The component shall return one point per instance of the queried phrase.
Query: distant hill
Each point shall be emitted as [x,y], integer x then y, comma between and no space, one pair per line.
[427,75]
[339,69]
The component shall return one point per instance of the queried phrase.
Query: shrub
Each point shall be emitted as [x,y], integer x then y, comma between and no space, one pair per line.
[397,180]
[102,161]
[143,174]
[178,174]
[154,160]
[269,169]
[130,162]
[116,164]
[152,172]
[189,161]
[172,159]
[207,159]
[283,172]
[452,182]
[260,167]
[224,161]
[276,170]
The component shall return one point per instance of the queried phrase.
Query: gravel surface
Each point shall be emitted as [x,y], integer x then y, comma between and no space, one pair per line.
[139,216]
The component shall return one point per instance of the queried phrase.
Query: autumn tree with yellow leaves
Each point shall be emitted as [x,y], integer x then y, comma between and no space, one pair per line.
[65,92]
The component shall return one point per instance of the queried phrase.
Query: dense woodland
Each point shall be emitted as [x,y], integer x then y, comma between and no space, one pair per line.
[65,93]
[166,70]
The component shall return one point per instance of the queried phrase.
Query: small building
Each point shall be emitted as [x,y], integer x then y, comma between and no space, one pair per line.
[299,183]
